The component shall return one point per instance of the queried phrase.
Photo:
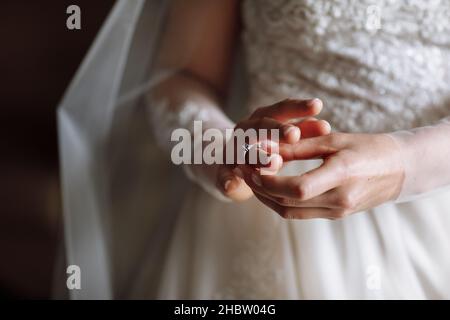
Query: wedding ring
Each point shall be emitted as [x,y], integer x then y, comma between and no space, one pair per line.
[247,146]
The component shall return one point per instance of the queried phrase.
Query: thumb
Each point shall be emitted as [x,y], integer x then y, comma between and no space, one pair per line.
[231,185]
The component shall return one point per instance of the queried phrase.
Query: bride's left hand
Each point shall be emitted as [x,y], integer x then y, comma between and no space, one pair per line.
[360,171]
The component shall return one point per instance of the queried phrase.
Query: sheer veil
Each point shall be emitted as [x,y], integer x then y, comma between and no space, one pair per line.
[117,216]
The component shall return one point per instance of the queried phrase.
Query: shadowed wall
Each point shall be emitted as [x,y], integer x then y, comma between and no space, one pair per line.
[38,58]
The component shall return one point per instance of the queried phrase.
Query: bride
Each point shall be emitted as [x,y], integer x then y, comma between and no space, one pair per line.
[357,213]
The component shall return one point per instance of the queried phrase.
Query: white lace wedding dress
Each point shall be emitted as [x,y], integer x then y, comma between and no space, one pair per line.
[394,74]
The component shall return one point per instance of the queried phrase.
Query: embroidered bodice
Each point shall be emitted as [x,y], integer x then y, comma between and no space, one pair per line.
[378,65]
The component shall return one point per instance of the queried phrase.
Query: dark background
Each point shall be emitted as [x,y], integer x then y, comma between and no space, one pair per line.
[38,58]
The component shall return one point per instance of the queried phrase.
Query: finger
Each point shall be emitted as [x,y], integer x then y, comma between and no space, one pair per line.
[244,148]
[296,213]
[288,133]
[247,172]
[241,192]
[328,176]
[232,186]
[290,108]
[261,154]
[226,180]
[314,147]
[253,179]
[268,164]
[329,199]
[312,127]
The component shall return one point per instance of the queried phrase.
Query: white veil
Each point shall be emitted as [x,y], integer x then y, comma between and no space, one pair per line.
[117,219]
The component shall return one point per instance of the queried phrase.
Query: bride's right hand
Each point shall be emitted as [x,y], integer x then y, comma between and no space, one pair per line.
[228,177]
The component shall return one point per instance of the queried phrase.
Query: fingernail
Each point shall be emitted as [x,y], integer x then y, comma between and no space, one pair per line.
[267,144]
[256,179]
[291,134]
[267,160]
[263,157]
[288,129]
[273,167]
[316,102]
[226,185]
[273,157]
[327,124]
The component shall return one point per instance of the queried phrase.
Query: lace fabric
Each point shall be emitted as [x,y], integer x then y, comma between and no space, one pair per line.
[169,113]
[372,77]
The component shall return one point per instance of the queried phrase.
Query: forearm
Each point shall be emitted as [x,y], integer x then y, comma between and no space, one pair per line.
[425,153]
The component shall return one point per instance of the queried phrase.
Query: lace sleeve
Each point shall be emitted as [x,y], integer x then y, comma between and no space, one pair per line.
[177,103]
[425,152]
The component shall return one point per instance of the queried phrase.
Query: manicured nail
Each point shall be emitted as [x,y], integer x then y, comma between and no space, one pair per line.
[263,157]
[268,145]
[275,164]
[288,129]
[326,124]
[226,185]
[273,157]
[256,179]
[291,133]
[316,102]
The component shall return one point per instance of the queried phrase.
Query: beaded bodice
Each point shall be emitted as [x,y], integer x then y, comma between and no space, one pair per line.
[378,65]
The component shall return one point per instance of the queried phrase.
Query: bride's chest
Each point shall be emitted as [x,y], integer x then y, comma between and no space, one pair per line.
[292,19]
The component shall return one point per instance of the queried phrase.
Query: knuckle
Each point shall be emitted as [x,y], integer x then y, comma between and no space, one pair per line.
[338,214]
[346,201]
[301,191]
[285,213]
[334,138]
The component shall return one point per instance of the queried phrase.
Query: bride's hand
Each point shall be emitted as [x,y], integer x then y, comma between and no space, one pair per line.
[229,178]
[360,171]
